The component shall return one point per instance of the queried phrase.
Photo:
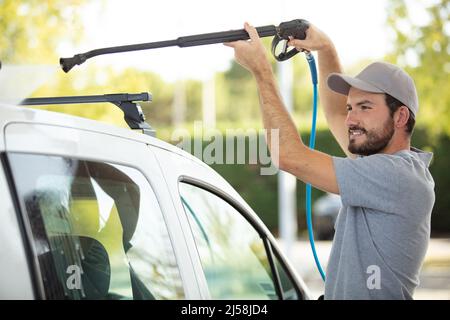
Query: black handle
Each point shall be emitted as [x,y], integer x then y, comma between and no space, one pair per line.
[296,29]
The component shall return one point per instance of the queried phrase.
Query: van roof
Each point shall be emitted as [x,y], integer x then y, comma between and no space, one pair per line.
[20,114]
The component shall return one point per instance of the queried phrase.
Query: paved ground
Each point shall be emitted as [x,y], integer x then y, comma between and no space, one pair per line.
[434,278]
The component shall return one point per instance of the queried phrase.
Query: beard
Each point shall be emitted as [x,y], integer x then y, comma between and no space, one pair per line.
[376,140]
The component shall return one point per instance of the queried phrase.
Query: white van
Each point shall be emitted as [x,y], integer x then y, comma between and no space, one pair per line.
[93,211]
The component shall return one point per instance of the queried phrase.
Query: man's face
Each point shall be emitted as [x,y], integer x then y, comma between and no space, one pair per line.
[370,125]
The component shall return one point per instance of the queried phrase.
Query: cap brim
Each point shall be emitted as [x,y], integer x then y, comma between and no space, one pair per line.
[341,84]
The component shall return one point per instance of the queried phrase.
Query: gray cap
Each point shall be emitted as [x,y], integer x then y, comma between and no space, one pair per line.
[379,77]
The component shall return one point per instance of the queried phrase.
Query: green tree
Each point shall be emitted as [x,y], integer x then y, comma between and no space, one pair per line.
[31,31]
[94,81]
[423,49]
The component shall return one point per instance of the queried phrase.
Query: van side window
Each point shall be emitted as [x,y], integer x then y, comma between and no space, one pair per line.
[287,285]
[231,251]
[97,229]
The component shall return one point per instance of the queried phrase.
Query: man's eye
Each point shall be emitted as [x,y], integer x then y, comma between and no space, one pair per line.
[365,107]
[349,108]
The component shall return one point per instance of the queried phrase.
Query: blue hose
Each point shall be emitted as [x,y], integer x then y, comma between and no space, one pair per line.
[312,140]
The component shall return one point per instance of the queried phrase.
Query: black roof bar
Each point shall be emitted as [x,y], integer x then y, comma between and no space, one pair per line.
[127,102]
[116,97]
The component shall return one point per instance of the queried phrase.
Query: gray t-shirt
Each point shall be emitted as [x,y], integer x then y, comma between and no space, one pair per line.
[383,228]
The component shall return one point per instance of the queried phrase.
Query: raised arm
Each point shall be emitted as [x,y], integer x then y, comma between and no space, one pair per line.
[308,165]
[334,104]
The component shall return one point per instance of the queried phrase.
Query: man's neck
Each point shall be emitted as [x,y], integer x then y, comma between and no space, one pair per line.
[397,145]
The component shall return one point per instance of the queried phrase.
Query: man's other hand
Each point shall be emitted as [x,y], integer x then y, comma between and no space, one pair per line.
[315,40]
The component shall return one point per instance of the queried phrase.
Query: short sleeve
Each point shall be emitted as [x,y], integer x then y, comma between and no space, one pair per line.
[371,182]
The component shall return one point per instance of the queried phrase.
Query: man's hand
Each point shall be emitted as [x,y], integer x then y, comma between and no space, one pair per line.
[316,40]
[250,54]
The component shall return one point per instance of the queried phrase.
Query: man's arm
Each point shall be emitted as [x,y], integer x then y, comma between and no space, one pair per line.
[334,104]
[308,165]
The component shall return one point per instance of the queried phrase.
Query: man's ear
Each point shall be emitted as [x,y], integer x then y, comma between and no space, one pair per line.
[401,117]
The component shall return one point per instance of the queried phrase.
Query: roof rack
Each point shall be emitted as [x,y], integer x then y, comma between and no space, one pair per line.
[127,102]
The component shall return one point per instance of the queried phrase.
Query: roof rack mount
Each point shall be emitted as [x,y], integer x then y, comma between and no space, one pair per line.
[127,102]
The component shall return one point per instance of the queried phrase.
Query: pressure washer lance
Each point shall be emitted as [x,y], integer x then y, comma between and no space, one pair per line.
[295,28]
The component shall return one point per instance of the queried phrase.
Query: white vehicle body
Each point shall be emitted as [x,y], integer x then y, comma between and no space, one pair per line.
[28,131]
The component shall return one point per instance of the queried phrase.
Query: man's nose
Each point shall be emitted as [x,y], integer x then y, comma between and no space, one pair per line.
[351,119]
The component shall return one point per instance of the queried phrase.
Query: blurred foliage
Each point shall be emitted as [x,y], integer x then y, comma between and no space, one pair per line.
[93,81]
[31,33]
[236,94]
[261,192]
[31,30]
[423,49]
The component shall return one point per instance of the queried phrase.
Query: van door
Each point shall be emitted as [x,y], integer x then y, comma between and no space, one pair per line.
[99,221]
[235,251]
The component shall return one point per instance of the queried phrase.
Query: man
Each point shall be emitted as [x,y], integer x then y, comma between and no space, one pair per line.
[387,191]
